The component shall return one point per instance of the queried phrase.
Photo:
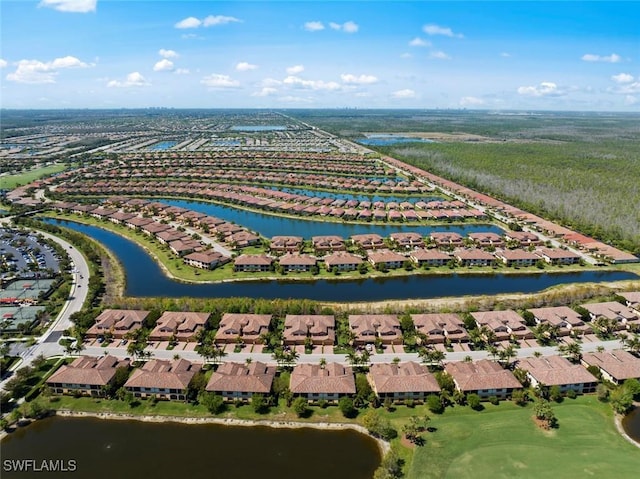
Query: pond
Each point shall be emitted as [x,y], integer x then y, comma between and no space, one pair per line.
[387,139]
[161,146]
[145,278]
[110,449]
[272,225]
[631,424]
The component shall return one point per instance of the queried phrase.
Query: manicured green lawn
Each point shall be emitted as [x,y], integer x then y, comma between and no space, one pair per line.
[12,181]
[504,442]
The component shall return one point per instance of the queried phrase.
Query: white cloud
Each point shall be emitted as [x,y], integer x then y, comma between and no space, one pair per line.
[613,58]
[167,53]
[73,6]
[347,27]
[220,81]
[270,82]
[294,70]
[630,100]
[622,78]
[311,84]
[213,20]
[35,71]
[163,65]
[471,101]
[358,80]
[181,71]
[439,55]
[406,93]
[133,79]
[189,22]
[294,99]
[544,89]
[265,91]
[419,42]
[433,29]
[3,63]
[629,88]
[313,26]
[245,67]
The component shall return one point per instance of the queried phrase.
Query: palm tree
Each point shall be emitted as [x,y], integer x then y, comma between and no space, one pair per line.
[573,351]
[506,354]
[323,363]
[632,344]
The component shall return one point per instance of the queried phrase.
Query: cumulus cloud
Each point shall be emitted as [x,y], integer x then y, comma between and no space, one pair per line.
[72,6]
[406,93]
[163,65]
[613,58]
[433,29]
[294,70]
[298,82]
[265,91]
[471,101]
[181,71]
[35,71]
[245,67]
[270,82]
[210,21]
[438,55]
[419,42]
[220,81]
[133,79]
[167,53]
[630,100]
[3,63]
[622,78]
[313,26]
[358,80]
[545,88]
[347,27]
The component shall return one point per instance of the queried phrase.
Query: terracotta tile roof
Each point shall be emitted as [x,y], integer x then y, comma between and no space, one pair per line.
[619,364]
[558,315]
[333,378]
[611,310]
[483,374]
[256,377]
[372,325]
[556,371]
[402,378]
[88,370]
[236,324]
[163,374]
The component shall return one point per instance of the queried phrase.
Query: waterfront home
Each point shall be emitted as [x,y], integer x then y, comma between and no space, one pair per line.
[153,228]
[315,382]
[297,262]
[487,240]
[443,239]
[252,263]
[117,322]
[368,241]
[505,324]
[562,317]
[120,217]
[522,238]
[319,328]
[613,311]
[322,244]
[282,244]
[558,256]
[369,327]
[616,366]
[186,246]
[162,379]
[407,240]
[208,259]
[517,257]
[386,259]
[429,257]
[402,381]
[440,327]
[632,299]
[138,222]
[474,257]
[484,378]
[171,235]
[86,375]
[178,325]
[242,326]
[240,381]
[342,261]
[547,371]
[242,239]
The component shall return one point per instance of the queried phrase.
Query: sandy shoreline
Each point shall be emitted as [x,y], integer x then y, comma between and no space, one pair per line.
[618,421]
[383,446]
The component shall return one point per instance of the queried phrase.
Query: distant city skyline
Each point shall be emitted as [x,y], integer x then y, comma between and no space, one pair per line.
[505,55]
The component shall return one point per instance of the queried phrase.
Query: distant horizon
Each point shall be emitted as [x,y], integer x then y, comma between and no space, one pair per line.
[477,55]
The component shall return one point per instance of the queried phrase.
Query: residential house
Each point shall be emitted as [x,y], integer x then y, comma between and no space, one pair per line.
[315,382]
[247,327]
[616,366]
[240,381]
[632,299]
[429,257]
[487,240]
[402,381]
[523,238]
[252,263]
[386,259]
[441,327]
[320,328]
[368,241]
[443,239]
[563,317]
[178,325]
[407,240]
[86,375]
[184,247]
[505,324]
[162,379]
[342,261]
[117,322]
[325,244]
[517,257]
[558,256]
[558,371]
[209,259]
[474,257]
[369,327]
[484,378]
[612,310]
[297,262]
[286,244]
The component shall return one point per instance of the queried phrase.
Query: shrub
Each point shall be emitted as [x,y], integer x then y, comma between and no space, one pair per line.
[602,392]
[301,407]
[572,394]
[473,400]
[494,400]
[347,408]
[434,404]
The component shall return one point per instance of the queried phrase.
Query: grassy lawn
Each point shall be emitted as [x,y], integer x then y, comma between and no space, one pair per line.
[12,181]
[504,442]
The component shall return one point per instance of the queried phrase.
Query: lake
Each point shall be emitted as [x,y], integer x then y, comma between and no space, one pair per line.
[110,449]
[387,139]
[359,197]
[631,424]
[145,278]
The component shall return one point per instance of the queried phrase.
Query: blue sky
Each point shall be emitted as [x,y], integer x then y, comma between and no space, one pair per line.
[312,54]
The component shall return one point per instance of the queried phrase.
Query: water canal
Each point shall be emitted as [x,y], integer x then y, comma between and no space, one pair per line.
[145,278]
[359,197]
[172,450]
